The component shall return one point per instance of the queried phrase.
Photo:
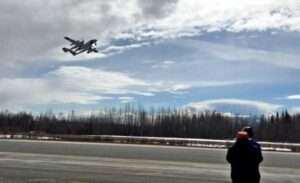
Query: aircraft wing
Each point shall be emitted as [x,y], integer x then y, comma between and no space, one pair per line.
[72,41]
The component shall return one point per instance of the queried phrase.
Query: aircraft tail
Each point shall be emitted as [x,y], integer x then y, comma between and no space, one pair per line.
[92,50]
[65,49]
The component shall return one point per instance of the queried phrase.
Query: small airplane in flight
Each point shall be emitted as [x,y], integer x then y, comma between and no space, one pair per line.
[81,46]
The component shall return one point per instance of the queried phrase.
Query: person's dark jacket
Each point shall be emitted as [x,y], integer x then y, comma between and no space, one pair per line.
[244,157]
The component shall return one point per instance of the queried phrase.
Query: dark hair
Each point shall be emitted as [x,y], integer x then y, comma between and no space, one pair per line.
[249,130]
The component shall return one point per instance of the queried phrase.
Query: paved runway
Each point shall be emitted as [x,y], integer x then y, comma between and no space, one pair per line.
[63,162]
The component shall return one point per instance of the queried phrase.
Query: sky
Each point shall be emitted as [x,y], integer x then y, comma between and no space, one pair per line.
[232,56]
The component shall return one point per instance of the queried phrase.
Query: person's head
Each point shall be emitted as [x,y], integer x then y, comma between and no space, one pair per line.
[249,130]
[242,136]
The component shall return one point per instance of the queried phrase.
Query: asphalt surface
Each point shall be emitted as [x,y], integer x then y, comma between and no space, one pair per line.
[63,162]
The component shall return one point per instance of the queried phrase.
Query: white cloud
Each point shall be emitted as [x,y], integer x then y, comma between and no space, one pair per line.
[93,80]
[163,65]
[78,85]
[236,106]
[212,83]
[30,29]
[237,54]
[29,92]
[177,87]
[108,82]
[151,9]
[293,97]
[82,85]
[237,15]
[126,99]
[111,50]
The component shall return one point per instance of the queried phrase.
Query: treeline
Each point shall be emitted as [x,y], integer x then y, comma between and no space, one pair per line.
[163,122]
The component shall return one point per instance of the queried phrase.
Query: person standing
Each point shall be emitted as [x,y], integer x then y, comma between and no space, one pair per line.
[244,157]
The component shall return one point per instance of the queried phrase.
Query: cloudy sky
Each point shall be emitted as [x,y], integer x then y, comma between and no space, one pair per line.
[233,56]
